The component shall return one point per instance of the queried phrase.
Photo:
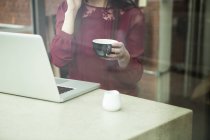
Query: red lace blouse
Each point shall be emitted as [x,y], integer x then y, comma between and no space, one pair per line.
[77,53]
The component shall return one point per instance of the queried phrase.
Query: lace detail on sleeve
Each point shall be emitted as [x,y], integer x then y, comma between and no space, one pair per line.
[108,15]
[89,11]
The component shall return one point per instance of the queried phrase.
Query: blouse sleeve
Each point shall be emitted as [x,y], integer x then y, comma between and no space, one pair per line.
[134,43]
[61,48]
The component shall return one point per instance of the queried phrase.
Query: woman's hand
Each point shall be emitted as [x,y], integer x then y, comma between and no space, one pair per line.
[119,53]
[70,15]
[74,5]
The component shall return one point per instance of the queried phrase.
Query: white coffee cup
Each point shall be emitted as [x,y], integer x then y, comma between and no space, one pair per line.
[111,100]
[103,47]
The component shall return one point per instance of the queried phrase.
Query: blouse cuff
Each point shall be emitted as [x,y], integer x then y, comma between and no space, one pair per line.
[65,35]
[132,65]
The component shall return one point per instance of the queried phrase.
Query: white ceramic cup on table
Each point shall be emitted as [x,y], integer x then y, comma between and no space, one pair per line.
[111,100]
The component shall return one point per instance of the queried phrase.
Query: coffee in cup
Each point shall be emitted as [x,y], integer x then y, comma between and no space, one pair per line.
[103,47]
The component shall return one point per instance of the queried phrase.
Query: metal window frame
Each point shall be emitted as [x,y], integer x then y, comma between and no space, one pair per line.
[39,18]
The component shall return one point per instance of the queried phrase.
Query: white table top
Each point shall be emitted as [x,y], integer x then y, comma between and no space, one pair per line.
[81,118]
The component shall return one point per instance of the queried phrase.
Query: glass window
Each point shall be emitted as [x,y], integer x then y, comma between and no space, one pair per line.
[16,16]
[176,58]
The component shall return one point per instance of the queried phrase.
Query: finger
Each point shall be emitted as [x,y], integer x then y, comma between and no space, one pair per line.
[116,53]
[116,50]
[117,45]
[109,58]
[113,56]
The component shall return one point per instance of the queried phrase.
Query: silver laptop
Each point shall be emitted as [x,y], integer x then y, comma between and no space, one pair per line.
[25,70]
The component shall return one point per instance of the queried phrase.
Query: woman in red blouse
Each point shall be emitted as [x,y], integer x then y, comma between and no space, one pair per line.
[78,23]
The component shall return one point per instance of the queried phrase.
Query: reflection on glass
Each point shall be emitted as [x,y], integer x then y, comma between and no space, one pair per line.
[176,59]
[16,16]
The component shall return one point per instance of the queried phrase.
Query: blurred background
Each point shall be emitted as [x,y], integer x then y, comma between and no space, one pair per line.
[177,54]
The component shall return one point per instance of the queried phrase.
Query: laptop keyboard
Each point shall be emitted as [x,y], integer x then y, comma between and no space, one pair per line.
[63,89]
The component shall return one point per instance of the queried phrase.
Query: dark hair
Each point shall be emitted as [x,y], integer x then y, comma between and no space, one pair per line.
[116,5]
[122,4]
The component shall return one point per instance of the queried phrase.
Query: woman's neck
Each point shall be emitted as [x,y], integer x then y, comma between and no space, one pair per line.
[97,3]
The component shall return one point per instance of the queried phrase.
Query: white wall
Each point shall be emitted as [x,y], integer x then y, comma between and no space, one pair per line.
[166,9]
[164,56]
[142,3]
